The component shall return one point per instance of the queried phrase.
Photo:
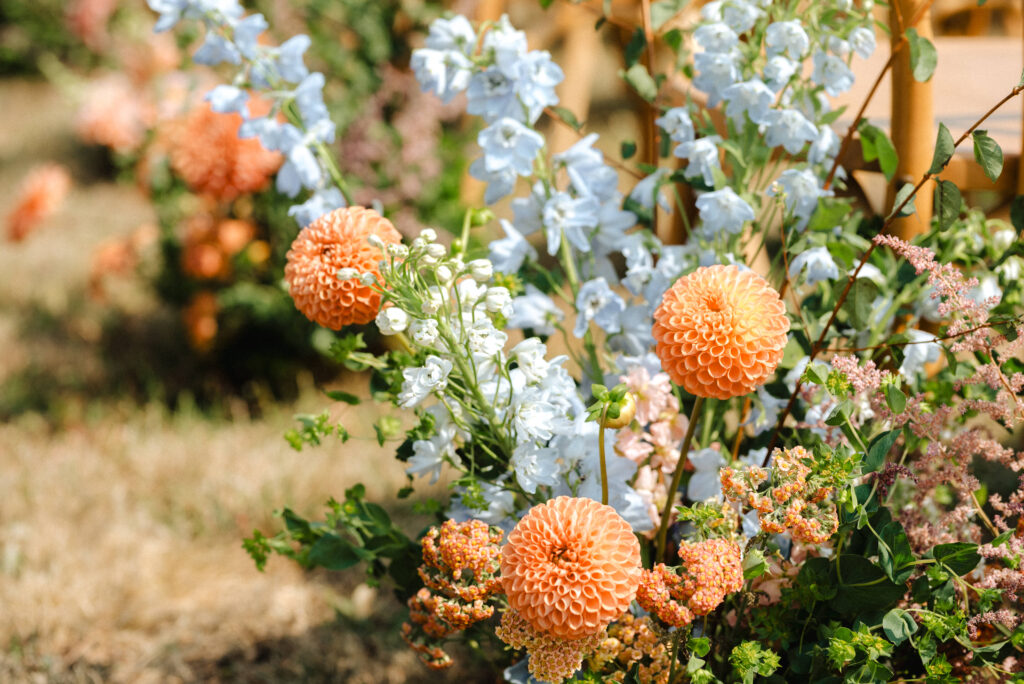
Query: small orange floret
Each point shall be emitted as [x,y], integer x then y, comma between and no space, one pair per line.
[41,194]
[208,155]
[570,567]
[334,241]
[720,331]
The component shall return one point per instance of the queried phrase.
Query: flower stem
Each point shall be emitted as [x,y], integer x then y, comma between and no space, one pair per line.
[600,451]
[677,639]
[677,476]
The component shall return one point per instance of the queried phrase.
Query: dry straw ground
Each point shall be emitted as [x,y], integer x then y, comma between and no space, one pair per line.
[120,525]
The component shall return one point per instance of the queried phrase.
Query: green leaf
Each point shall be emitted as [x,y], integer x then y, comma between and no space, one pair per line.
[334,553]
[338,395]
[944,148]
[633,676]
[568,117]
[960,557]
[1017,214]
[875,144]
[673,38]
[628,149]
[864,586]
[923,56]
[699,646]
[947,203]
[859,302]
[895,398]
[902,195]
[640,80]
[664,10]
[895,555]
[879,449]
[988,154]
[829,213]
[635,47]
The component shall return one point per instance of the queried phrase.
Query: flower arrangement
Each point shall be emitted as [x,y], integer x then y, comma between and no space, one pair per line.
[739,462]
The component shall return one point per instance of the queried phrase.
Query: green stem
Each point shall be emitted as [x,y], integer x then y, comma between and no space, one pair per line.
[677,476]
[604,464]
[677,640]
[569,264]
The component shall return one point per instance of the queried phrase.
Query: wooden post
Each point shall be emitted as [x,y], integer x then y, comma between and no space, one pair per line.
[913,123]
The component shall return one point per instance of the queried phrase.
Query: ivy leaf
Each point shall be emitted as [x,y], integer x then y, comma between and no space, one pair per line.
[640,80]
[879,449]
[898,625]
[988,154]
[960,557]
[947,203]
[923,56]
[943,150]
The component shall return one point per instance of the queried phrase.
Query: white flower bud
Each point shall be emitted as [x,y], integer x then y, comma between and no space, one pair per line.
[418,244]
[498,300]
[424,332]
[399,251]
[368,279]
[428,234]
[392,321]
[444,273]
[436,251]
[347,273]
[481,270]
[435,300]
[375,241]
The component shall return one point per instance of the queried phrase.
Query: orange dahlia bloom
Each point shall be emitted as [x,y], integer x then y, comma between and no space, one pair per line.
[40,195]
[208,155]
[334,241]
[720,331]
[570,567]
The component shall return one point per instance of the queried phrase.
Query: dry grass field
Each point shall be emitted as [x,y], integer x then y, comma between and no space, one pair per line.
[120,523]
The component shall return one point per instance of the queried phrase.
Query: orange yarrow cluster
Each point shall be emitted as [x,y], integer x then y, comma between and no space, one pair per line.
[710,571]
[794,500]
[460,570]
[40,195]
[552,658]
[632,640]
[720,331]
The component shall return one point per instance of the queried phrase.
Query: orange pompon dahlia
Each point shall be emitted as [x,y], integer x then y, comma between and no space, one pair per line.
[210,157]
[41,194]
[570,567]
[334,241]
[720,331]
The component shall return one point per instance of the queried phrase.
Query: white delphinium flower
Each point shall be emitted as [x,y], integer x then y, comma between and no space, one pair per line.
[677,123]
[500,501]
[987,288]
[530,356]
[536,311]
[764,411]
[716,37]
[534,417]
[452,34]
[923,349]
[723,210]
[420,382]
[481,270]
[597,302]
[778,71]
[819,264]
[323,201]
[500,183]
[508,254]
[831,71]
[485,341]
[635,336]
[587,171]
[508,144]
[786,37]
[702,154]
[392,320]
[825,147]
[752,98]
[648,190]
[838,47]
[535,466]
[802,190]
[424,332]
[739,15]
[862,40]
[789,128]
[429,455]
[705,482]
[716,72]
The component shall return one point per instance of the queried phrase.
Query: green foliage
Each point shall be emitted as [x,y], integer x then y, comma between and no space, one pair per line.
[923,56]
[988,154]
[875,144]
[313,430]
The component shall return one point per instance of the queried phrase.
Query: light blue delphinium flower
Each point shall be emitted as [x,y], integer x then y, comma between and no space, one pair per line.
[778,71]
[508,253]
[702,154]
[500,183]
[588,174]
[832,73]
[597,302]
[862,40]
[723,210]
[802,191]
[564,215]
[508,144]
[789,128]
[227,99]
[445,73]
[716,72]
[825,147]
[819,265]
[677,123]
[716,37]
[752,98]
[786,37]
[320,202]
[924,349]
[455,34]
[536,311]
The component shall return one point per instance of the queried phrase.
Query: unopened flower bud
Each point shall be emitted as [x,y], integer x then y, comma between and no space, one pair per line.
[418,244]
[428,234]
[498,300]
[398,251]
[368,279]
[347,273]
[620,413]
[392,321]
[436,251]
[434,302]
[375,242]
[481,270]
[444,273]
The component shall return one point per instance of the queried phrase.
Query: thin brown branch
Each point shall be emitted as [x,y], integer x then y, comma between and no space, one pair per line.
[555,116]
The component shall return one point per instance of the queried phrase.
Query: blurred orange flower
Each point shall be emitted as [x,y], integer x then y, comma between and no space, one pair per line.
[209,156]
[570,567]
[40,195]
[334,241]
[720,331]
[114,114]
[200,318]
